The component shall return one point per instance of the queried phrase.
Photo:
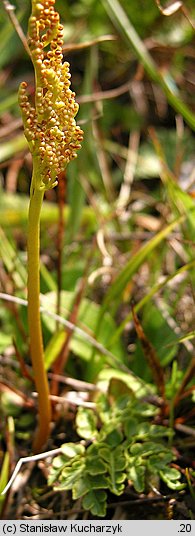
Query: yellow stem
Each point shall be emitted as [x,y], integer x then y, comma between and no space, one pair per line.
[34,321]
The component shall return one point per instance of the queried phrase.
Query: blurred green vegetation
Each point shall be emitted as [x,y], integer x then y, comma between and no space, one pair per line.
[127,213]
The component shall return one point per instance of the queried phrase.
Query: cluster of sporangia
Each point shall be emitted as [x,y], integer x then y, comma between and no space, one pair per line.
[49,123]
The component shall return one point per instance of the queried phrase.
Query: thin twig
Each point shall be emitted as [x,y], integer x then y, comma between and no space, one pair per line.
[9,8]
[77,401]
[87,44]
[79,385]
[27,459]
[185,429]
[9,128]
[102,95]
[176,5]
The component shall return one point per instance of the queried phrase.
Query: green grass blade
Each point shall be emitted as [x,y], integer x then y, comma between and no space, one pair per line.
[4,476]
[154,290]
[121,21]
[137,260]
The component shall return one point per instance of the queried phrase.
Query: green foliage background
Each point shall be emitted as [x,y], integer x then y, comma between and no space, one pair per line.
[140,252]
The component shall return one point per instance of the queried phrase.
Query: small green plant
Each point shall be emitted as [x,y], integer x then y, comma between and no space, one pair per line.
[53,138]
[124,446]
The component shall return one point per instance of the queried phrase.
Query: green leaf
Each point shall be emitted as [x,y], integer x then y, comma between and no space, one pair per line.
[134,383]
[72,449]
[99,482]
[131,427]
[157,431]
[86,423]
[58,464]
[136,474]
[116,464]
[172,483]
[146,448]
[171,474]
[158,463]
[95,466]
[54,347]
[95,501]
[47,281]
[70,475]
[81,487]
[143,430]
[59,461]
[114,438]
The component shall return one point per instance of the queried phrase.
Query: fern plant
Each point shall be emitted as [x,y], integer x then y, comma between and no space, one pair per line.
[124,446]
